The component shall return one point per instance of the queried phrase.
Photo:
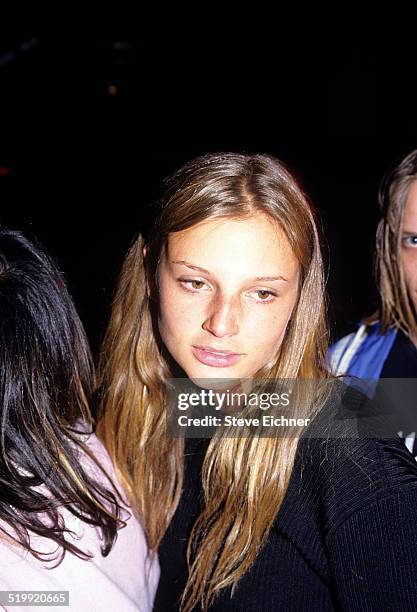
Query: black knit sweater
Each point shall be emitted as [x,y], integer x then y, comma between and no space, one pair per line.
[345,537]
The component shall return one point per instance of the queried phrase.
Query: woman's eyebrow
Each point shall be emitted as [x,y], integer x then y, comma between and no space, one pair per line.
[257,278]
[192,266]
[269,278]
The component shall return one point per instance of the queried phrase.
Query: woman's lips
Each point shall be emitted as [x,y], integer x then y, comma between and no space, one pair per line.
[211,357]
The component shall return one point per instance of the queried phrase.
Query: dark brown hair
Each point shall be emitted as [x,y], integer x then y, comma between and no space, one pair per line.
[46,382]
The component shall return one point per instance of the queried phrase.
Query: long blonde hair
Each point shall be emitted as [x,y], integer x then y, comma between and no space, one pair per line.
[396,307]
[244,479]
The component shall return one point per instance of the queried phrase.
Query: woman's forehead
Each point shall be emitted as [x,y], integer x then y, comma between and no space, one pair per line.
[254,244]
[410,210]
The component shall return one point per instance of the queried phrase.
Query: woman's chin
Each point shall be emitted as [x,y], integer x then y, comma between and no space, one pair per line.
[225,383]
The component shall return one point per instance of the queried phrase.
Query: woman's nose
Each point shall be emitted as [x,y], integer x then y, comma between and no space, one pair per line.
[223,318]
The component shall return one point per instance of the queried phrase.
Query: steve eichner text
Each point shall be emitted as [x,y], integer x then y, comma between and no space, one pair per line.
[218,401]
[267,421]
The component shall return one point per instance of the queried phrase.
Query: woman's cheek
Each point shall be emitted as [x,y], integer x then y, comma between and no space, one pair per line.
[181,321]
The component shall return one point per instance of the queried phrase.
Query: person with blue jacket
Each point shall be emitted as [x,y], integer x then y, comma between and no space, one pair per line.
[385,344]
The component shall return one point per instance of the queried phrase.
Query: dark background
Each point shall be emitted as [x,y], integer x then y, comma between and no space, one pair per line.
[94,118]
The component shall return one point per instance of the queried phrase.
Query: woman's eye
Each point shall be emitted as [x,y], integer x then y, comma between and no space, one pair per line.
[410,241]
[197,284]
[263,295]
[193,284]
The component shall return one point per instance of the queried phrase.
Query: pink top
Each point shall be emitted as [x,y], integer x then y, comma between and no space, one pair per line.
[124,581]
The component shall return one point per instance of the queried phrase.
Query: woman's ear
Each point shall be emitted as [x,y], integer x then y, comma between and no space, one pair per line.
[151,285]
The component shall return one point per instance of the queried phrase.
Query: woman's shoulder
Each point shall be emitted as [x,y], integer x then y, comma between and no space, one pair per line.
[338,476]
[126,576]
[97,449]
[356,431]
[344,484]
[95,460]
[383,463]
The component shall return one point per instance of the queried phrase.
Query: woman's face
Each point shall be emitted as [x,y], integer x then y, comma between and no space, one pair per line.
[227,289]
[409,242]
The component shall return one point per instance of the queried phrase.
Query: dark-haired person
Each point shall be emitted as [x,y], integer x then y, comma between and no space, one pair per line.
[227,284]
[385,344]
[63,523]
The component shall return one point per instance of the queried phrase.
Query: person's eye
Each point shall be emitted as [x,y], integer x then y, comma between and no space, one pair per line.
[264,295]
[194,284]
[410,241]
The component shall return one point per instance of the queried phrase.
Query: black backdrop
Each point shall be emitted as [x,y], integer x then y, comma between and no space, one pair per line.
[92,120]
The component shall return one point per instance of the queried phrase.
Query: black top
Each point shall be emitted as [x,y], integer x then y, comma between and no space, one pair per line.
[345,537]
[402,363]
[402,359]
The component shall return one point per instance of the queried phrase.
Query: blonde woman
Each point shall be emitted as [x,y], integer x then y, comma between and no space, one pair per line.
[229,284]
